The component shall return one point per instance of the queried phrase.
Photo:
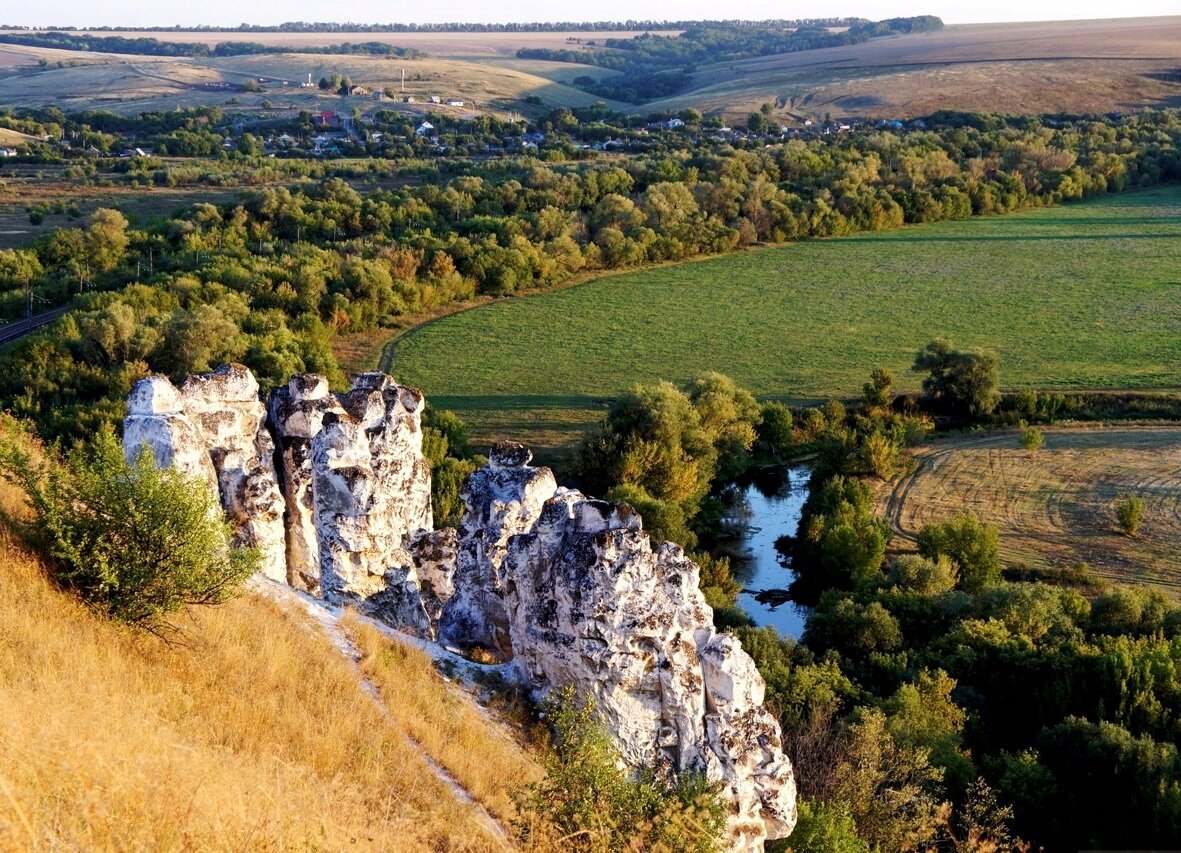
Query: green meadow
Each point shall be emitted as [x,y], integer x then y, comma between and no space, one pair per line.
[1080,296]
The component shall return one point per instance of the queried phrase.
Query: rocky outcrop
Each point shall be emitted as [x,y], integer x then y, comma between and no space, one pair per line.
[214,428]
[334,489]
[230,418]
[370,485]
[296,415]
[590,604]
[502,499]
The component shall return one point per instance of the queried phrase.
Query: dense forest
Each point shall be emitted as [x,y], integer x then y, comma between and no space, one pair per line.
[938,700]
[270,279]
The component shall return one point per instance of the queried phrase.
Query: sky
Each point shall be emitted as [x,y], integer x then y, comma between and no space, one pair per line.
[140,13]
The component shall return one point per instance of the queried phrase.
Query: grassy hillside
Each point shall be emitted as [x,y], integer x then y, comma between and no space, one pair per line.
[1073,297]
[1036,67]
[255,733]
[137,83]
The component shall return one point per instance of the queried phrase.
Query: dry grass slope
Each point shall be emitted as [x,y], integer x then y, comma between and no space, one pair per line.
[1056,507]
[255,735]
[480,754]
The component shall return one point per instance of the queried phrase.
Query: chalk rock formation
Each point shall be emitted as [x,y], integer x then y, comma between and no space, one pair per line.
[228,413]
[590,604]
[567,587]
[371,487]
[215,428]
[297,414]
[156,420]
[502,499]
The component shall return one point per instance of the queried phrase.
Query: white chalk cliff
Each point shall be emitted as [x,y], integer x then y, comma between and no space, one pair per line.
[334,491]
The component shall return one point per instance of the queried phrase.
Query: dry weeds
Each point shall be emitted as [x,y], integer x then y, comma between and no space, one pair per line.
[479,753]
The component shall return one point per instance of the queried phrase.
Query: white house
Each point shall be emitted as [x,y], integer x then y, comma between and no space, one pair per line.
[424,129]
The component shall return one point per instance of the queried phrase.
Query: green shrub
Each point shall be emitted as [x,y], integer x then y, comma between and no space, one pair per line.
[587,803]
[973,545]
[1129,512]
[824,828]
[134,541]
[1032,439]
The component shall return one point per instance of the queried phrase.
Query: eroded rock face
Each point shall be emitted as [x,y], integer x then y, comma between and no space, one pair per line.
[214,428]
[370,485]
[502,499]
[228,413]
[566,586]
[296,415]
[590,604]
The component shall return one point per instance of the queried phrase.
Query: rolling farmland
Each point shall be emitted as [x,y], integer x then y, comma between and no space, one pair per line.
[1071,66]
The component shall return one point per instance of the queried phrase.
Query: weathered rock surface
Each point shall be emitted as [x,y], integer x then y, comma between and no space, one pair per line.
[335,490]
[214,429]
[590,604]
[296,415]
[228,413]
[502,499]
[370,485]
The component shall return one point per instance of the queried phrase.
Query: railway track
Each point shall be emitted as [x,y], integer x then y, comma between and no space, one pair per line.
[14,331]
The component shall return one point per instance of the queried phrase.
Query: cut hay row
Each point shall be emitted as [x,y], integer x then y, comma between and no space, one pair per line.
[1055,507]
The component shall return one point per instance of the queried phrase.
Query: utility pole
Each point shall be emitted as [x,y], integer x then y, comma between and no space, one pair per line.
[403,79]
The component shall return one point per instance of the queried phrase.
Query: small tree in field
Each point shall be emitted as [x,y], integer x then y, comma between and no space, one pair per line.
[1129,512]
[1032,439]
[134,541]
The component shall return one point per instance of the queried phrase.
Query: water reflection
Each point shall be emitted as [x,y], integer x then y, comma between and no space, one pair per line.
[763,507]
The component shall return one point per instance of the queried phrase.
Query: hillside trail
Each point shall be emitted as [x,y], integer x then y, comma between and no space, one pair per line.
[326,617]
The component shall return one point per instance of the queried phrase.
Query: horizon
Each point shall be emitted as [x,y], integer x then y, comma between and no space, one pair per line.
[223,14]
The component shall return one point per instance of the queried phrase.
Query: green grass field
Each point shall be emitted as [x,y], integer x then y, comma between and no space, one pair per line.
[1080,296]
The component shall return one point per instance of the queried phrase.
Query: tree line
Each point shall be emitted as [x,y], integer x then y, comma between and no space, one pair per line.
[147,46]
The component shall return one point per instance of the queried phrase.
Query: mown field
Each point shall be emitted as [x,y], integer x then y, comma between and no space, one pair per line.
[1055,507]
[1080,296]
[1032,67]
[1035,67]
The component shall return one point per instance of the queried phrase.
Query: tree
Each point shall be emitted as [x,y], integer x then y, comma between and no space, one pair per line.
[878,391]
[973,545]
[963,385]
[1129,513]
[134,541]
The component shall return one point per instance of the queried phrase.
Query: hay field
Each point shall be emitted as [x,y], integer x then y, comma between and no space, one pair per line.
[1073,297]
[1055,507]
[479,45]
[1060,66]
[133,84]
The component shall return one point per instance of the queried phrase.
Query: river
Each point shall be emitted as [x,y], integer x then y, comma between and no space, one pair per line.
[763,506]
